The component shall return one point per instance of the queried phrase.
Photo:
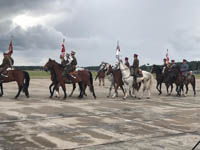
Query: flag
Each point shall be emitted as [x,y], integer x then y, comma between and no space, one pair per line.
[63,50]
[10,48]
[117,49]
[167,57]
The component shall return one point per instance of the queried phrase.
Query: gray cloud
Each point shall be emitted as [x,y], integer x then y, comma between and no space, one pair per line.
[92,28]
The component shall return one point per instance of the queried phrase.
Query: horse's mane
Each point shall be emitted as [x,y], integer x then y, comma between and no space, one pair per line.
[60,65]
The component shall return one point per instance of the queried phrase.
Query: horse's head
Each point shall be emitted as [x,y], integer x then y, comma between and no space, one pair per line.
[48,66]
[156,69]
[109,69]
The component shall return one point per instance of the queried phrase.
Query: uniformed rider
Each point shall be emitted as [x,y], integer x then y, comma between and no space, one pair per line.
[135,67]
[70,66]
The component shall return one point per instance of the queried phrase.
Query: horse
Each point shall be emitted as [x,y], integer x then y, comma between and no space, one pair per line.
[115,78]
[21,77]
[190,79]
[160,78]
[83,78]
[174,75]
[101,74]
[55,82]
[147,80]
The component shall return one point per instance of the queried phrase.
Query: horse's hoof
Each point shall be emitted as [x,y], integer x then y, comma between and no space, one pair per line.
[27,96]
[124,98]
[148,97]
[16,97]
[70,95]
[108,96]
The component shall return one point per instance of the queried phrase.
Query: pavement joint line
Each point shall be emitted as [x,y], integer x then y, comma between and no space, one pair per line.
[130,139]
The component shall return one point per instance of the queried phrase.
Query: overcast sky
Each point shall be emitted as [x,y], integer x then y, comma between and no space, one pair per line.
[92,28]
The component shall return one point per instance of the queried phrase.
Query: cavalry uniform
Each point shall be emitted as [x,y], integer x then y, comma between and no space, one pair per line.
[135,67]
[126,62]
[184,68]
[172,65]
[71,65]
[7,62]
[63,61]
[165,65]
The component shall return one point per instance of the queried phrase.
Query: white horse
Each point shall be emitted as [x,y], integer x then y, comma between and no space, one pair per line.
[146,80]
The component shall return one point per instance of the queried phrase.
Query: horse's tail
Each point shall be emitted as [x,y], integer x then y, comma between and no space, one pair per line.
[92,86]
[194,85]
[26,81]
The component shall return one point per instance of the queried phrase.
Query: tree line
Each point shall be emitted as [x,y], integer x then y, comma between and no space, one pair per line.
[193,66]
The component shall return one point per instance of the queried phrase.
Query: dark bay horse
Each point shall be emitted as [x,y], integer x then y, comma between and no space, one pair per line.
[174,75]
[54,84]
[190,79]
[21,77]
[160,78]
[83,78]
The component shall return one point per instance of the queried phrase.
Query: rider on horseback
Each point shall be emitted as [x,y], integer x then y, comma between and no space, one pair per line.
[7,62]
[135,67]
[70,66]
[172,65]
[63,61]
[165,65]
[126,62]
[184,68]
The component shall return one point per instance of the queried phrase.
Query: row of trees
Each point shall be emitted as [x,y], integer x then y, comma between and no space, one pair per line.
[193,66]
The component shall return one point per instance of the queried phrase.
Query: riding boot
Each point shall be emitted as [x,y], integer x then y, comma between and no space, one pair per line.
[69,77]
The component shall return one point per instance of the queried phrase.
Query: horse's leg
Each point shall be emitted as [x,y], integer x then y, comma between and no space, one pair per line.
[85,90]
[50,86]
[182,88]
[167,87]
[157,87]
[1,85]
[149,89]
[171,89]
[116,86]
[126,89]
[103,81]
[110,89]
[99,81]
[56,86]
[193,87]
[20,87]
[186,86]
[121,86]
[81,87]
[74,87]
[64,90]
[160,88]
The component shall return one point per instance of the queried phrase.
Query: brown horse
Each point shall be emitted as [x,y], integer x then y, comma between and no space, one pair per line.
[83,78]
[21,77]
[54,84]
[101,77]
[116,80]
